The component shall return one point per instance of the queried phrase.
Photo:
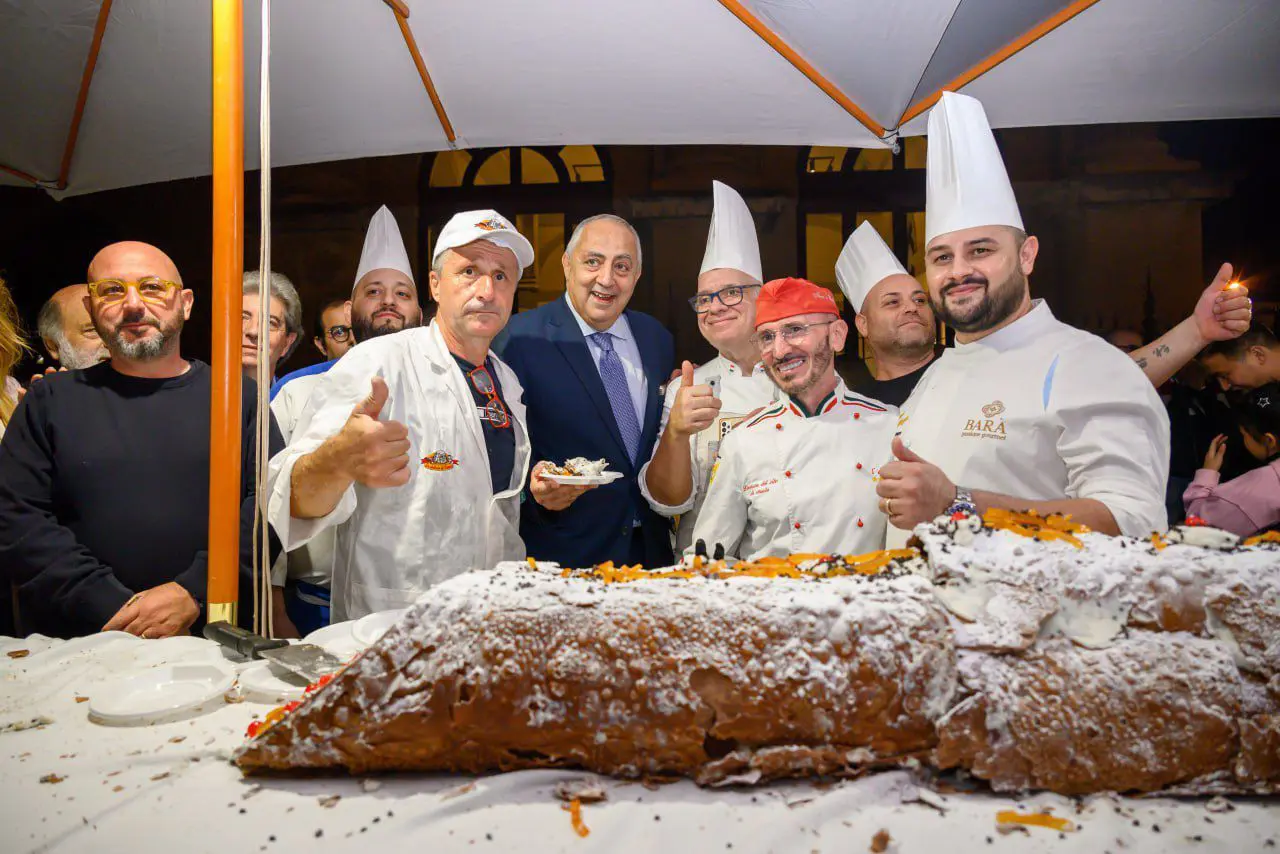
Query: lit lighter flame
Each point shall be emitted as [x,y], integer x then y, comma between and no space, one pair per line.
[1235,285]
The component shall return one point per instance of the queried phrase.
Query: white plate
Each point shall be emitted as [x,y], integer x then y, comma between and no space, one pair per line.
[368,629]
[337,639]
[159,694]
[582,479]
[264,682]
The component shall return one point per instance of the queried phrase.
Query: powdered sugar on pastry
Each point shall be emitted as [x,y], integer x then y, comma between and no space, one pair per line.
[1031,652]
[521,667]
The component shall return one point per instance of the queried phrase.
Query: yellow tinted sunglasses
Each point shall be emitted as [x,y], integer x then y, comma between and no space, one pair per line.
[152,290]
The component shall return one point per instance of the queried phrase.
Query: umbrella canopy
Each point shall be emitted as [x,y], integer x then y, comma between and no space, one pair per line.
[510,72]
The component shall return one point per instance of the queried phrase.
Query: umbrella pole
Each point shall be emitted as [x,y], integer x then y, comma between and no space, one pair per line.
[228,268]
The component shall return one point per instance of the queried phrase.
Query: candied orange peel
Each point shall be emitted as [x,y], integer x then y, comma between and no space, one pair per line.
[575,815]
[1035,819]
[1268,537]
[1029,523]
[792,566]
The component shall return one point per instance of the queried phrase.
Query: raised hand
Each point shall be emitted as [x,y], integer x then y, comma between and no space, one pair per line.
[695,407]
[911,489]
[1216,454]
[374,452]
[1223,312]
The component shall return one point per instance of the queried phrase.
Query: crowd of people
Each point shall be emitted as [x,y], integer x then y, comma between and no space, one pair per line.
[418,449]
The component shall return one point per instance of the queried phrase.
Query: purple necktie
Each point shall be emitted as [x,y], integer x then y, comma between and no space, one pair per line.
[615,385]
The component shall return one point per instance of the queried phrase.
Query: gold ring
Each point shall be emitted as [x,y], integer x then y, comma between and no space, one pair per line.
[888,507]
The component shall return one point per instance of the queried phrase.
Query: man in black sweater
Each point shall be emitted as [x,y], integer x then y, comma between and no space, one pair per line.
[104,472]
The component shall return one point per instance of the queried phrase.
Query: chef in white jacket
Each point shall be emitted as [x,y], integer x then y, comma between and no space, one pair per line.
[706,402]
[799,476]
[414,445]
[1024,412]
[384,300]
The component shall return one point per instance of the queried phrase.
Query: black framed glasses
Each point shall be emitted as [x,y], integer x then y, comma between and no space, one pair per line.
[339,333]
[495,412]
[731,295]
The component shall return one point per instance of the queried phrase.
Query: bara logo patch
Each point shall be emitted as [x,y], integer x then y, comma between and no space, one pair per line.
[440,461]
[491,224]
[989,426]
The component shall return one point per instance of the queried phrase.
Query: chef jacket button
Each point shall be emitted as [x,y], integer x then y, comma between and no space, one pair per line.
[787,473]
[797,526]
[777,426]
[857,415]
[858,466]
[859,523]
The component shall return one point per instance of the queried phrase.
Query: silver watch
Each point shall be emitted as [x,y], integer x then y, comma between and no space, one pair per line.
[963,502]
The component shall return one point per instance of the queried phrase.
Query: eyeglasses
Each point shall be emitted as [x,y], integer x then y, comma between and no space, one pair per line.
[151,289]
[494,412]
[791,333]
[338,333]
[732,295]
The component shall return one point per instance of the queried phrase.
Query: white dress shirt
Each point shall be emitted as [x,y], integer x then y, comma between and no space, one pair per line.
[624,343]
[1043,411]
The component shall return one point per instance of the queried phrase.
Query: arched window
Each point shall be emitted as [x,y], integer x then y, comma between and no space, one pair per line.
[544,190]
[840,188]
[496,167]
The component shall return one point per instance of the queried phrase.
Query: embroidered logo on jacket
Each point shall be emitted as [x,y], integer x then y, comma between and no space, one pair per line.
[440,461]
[990,426]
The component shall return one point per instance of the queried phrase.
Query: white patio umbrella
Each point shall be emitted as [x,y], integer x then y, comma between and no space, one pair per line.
[521,72]
[99,94]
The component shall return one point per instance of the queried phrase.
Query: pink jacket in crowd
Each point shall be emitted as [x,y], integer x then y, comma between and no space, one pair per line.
[1244,505]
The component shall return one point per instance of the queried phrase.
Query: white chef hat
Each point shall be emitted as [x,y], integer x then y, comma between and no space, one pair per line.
[470,226]
[731,243]
[966,182]
[383,247]
[864,262]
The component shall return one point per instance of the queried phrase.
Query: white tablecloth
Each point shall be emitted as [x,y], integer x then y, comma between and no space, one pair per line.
[169,788]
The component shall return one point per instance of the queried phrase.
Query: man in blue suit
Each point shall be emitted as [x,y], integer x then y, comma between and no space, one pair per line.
[592,374]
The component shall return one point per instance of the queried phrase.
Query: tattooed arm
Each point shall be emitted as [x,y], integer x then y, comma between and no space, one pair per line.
[1222,313]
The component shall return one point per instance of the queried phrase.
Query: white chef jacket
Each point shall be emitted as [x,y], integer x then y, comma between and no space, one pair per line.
[394,543]
[313,562]
[787,483]
[739,397]
[1044,411]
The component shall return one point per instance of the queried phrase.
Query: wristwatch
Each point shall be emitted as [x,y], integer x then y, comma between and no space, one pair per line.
[963,502]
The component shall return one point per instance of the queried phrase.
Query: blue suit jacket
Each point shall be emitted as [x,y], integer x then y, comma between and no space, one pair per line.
[569,416]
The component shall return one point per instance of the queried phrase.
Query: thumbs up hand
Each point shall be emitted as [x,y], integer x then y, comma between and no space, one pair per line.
[374,452]
[1224,309]
[911,489]
[695,407]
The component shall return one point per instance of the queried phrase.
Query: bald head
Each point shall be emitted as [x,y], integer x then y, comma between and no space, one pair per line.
[130,260]
[140,330]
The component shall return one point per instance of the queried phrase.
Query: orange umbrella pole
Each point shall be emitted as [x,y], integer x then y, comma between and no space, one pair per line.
[228,268]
